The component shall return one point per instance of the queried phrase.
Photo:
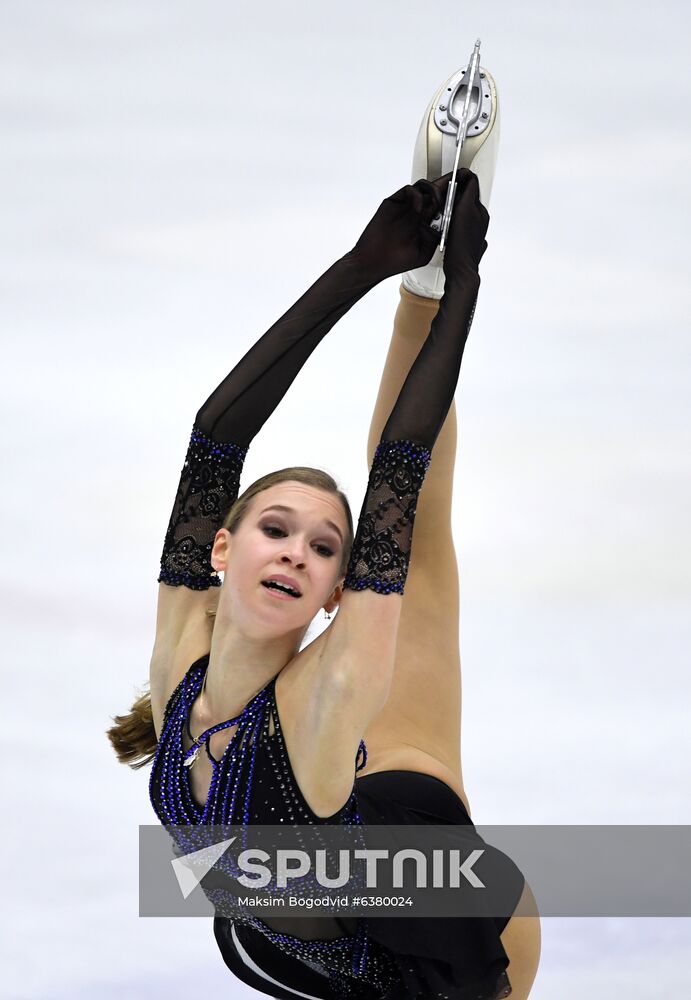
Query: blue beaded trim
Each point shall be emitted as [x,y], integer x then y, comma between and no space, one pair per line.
[372,583]
[190,580]
[412,449]
[220,449]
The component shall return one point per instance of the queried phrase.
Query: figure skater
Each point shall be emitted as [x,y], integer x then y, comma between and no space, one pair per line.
[363,723]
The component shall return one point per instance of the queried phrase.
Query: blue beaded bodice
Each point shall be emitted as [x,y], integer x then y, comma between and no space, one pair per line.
[253,782]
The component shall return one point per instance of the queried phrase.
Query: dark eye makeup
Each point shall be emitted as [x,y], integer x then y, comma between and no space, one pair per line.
[324,550]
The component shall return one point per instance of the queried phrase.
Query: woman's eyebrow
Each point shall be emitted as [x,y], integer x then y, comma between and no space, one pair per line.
[291,510]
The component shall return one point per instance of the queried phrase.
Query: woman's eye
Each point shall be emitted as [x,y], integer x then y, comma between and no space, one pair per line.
[272,527]
[274,532]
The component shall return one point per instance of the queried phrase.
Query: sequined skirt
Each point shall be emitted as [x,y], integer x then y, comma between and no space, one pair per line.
[409,958]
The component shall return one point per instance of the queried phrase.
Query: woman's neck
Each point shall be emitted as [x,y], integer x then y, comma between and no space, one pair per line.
[239,668]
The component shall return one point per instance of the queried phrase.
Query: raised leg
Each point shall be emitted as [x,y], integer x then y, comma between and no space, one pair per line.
[424,706]
[522,941]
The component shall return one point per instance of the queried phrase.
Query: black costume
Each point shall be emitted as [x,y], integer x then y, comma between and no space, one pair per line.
[253,782]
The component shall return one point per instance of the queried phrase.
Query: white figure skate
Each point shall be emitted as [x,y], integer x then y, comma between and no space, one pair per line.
[460,128]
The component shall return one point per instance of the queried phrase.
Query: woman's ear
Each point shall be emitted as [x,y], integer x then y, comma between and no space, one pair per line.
[221,550]
[335,598]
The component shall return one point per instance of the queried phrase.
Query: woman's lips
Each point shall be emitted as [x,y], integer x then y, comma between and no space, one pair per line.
[279,594]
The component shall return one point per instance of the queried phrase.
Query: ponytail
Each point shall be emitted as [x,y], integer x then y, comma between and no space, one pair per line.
[133,737]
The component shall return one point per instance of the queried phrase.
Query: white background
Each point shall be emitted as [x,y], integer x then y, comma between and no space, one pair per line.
[172,178]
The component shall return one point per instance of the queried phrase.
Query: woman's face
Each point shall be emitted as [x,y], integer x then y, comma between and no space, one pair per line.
[291,531]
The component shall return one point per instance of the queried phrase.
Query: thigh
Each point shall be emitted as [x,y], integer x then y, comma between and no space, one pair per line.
[521,939]
[423,709]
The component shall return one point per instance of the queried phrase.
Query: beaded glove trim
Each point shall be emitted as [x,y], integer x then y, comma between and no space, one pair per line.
[209,485]
[381,549]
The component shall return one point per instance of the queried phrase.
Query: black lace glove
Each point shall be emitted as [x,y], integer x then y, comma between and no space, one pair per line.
[209,484]
[381,550]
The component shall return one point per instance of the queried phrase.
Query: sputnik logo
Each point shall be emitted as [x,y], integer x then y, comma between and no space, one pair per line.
[190,869]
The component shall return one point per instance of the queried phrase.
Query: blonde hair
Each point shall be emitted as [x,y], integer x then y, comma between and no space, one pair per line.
[133,736]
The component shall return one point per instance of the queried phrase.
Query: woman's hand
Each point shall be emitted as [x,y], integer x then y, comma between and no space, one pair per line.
[465,239]
[399,236]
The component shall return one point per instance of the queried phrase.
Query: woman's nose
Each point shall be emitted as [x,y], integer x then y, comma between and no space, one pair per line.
[295,552]
[293,560]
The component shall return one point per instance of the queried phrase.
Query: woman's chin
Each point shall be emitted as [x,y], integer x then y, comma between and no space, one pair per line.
[278,609]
